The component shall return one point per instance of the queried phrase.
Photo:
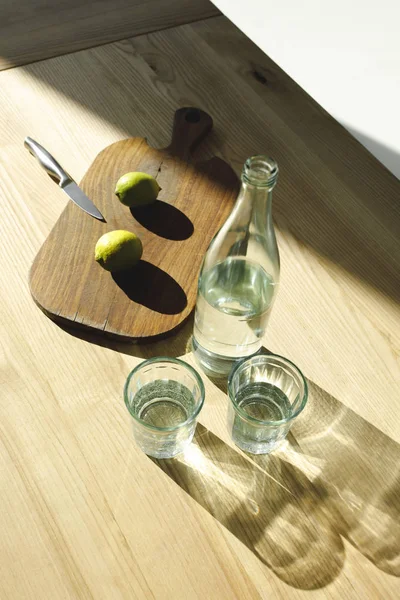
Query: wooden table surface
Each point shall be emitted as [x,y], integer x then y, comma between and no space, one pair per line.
[83,513]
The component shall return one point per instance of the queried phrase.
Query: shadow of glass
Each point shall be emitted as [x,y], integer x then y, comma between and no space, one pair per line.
[335,476]
[152,287]
[164,220]
[275,510]
[359,467]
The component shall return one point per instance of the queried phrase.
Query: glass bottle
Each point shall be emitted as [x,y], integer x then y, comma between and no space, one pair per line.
[239,276]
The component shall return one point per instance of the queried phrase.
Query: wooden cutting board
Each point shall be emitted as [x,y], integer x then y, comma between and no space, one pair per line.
[158,294]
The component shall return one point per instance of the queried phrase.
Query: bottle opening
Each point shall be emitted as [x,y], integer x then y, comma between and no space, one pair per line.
[260,170]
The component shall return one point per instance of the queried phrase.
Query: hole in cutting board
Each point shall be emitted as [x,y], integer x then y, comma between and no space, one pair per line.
[152,287]
[193,115]
[164,220]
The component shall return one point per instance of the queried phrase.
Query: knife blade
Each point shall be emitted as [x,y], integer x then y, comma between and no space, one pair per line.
[66,183]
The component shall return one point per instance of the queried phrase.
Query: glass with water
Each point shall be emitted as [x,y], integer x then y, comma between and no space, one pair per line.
[267,393]
[164,397]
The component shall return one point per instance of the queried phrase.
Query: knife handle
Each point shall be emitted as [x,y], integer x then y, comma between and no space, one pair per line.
[49,164]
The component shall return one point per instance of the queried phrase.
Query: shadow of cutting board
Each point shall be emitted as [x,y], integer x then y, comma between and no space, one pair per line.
[158,294]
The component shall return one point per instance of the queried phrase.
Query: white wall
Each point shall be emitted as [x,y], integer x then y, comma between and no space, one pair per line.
[344,53]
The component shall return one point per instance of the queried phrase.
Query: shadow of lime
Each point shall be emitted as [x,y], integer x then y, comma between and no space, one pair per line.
[152,287]
[164,220]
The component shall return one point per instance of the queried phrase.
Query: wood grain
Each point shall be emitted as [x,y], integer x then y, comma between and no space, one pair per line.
[157,295]
[35,30]
[84,513]
[296,508]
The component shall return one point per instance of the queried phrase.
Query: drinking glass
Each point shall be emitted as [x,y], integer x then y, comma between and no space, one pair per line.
[164,397]
[267,393]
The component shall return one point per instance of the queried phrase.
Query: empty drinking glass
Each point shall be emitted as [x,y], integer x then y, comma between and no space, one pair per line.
[164,396]
[267,392]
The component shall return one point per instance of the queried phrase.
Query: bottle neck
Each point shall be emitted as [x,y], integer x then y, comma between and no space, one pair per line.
[259,177]
[255,202]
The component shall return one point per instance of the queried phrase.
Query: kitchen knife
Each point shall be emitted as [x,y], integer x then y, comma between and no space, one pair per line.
[65,182]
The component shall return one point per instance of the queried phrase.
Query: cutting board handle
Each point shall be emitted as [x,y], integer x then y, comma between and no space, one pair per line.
[191,125]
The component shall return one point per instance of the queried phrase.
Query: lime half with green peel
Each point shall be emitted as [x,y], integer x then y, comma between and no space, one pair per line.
[137,189]
[118,250]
